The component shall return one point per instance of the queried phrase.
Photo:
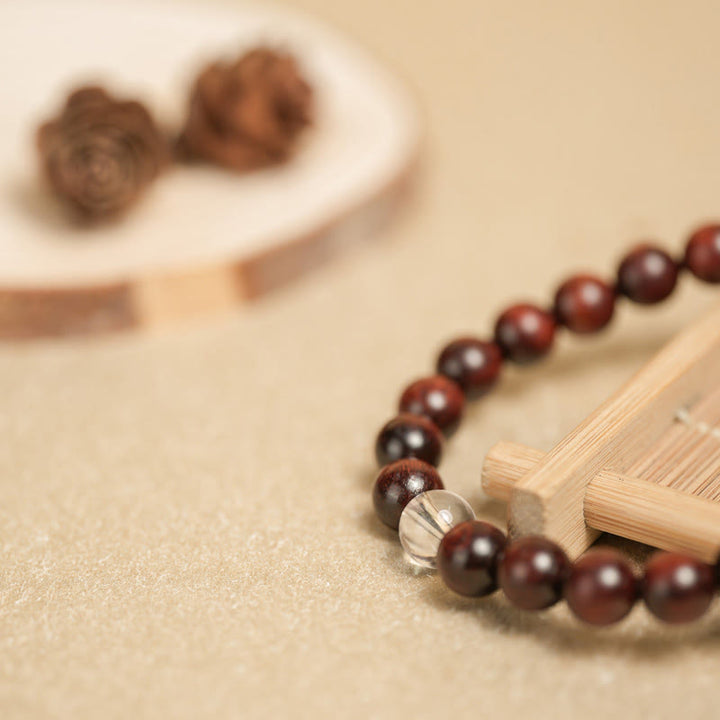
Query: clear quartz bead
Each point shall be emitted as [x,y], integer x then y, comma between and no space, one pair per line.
[426,519]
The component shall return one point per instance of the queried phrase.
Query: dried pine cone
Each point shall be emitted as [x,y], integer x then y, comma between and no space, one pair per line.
[100,154]
[248,113]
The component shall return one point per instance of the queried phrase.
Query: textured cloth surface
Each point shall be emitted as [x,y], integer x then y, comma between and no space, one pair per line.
[185,524]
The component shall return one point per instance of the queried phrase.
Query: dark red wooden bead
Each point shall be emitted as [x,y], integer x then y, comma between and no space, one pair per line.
[677,588]
[398,483]
[647,275]
[525,333]
[436,397]
[409,436]
[532,572]
[602,587]
[472,363]
[702,254]
[584,304]
[468,558]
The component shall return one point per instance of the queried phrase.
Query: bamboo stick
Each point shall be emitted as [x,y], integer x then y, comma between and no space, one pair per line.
[550,498]
[630,507]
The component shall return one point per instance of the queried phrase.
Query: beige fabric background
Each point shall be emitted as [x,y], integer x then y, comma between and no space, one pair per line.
[185,528]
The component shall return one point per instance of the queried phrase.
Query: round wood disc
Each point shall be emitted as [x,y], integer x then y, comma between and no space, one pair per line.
[204,238]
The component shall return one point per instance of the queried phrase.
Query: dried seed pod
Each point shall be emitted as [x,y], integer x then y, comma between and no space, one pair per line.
[100,153]
[247,113]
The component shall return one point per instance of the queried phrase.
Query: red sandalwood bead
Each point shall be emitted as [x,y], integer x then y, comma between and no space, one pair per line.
[647,275]
[398,483]
[472,363]
[468,558]
[677,588]
[584,304]
[602,588]
[525,333]
[409,436]
[702,254]
[437,398]
[533,572]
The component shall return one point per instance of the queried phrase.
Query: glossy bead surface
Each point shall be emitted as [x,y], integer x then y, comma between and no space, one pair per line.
[702,254]
[525,333]
[468,558]
[584,304]
[532,572]
[398,483]
[601,589]
[472,363]
[647,275]
[437,398]
[677,588]
[426,519]
[407,436]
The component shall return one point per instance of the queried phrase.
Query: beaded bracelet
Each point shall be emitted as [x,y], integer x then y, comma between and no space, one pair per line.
[438,528]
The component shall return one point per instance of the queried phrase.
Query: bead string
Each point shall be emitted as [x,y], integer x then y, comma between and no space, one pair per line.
[438,528]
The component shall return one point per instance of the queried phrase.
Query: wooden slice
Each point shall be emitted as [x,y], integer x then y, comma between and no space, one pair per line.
[204,239]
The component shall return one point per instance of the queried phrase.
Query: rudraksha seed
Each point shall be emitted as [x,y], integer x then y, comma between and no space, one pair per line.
[533,572]
[468,558]
[677,588]
[437,398]
[247,113]
[100,154]
[472,363]
[525,333]
[602,587]
[398,483]
[702,254]
[584,304]
[409,436]
[647,275]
